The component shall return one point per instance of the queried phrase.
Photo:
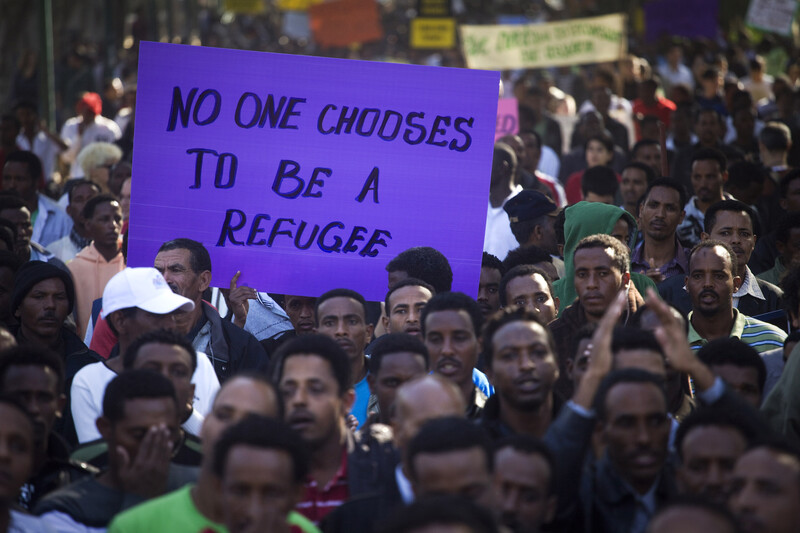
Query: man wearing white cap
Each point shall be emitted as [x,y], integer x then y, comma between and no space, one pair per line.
[135,301]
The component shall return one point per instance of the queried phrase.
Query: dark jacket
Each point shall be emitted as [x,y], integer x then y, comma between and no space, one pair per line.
[231,348]
[672,292]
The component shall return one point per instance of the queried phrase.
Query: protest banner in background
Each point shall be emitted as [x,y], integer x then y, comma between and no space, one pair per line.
[434,8]
[571,42]
[309,173]
[345,22]
[684,18]
[507,117]
[297,5]
[433,33]
[774,16]
[245,7]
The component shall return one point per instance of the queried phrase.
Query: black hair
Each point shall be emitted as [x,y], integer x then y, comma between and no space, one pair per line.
[714,416]
[14,403]
[732,351]
[790,283]
[80,182]
[785,226]
[425,263]
[788,178]
[743,173]
[9,259]
[30,159]
[775,137]
[321,346]
[27,355]
[448,434]
[733,206]
[521,271]
[340,293]
[669,183]
[133,385]
[490,261]
[622,256]
[265,433]
[649,173]
[454,301]
[558,226]
[711,244]
[26,104]
[11,200]
[586,331]
[158,337]
[392,343]
[407,282]
[91,205]
[439,510]
[625,375]
[600,180]
[525,255]
[199,260]
[531,446]
[603,138]
[507,316]
[8,233]
[630,338]
[261,378]
[711,154]
[642,144]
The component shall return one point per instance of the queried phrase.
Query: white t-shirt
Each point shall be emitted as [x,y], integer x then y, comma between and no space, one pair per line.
[89,386]
[101,130]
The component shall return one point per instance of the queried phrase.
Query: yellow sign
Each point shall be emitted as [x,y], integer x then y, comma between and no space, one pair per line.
[245,7]
[297,5]
[433,33]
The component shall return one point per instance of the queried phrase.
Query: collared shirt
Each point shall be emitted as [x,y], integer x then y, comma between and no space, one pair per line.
[645,506]
[498,239]
[677,266]
[52,222]
[318,502]
[694,222]
[749,286]
[759,335]
[44,147]
[403,485]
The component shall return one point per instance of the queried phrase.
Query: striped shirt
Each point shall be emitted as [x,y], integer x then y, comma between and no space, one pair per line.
[318,502]
[755,333]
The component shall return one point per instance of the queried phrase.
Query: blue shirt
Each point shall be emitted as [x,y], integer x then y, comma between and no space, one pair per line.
[362,401]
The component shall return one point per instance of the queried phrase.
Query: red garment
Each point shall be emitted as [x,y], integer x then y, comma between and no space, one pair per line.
[103,339]
[662,109]
[317,503]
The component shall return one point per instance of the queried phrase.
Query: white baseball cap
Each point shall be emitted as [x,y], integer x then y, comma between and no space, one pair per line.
[144,288]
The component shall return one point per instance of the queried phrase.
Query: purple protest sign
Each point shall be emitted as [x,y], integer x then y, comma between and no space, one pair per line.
[307,173]
[685,18]
[507,117]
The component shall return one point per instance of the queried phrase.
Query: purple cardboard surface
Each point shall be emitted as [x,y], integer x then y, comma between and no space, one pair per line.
[306,173]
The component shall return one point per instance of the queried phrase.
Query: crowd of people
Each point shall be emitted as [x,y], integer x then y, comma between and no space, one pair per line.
[629,363]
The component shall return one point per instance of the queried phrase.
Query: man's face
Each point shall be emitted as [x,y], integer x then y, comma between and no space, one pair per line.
[792,201]
[621,231]
[44,309]
[36,387]
[711,283]
[342,319]
[709,456]
[176,267]
[106,224]
[532,293]
[744,123]
[707,180]
[16,452]
[257,486]
[766,491]
[597,280]
[141,414]
[523,368]
[522,486]
[125,199]
[142,322]
[459,472]
[315,407]
[576,367]
[488,291]
[17,177]
[396,369]
[597,154]
[6,289]
[301,313]
[238,398]
[707,129]
[636,431]
[405,309]
[650,155]
[661,213]
[21,218]
[533,151]
[736,230]
[452,344]
[633,185]
[419,402]
[742,379]
[173,363]
[80,195]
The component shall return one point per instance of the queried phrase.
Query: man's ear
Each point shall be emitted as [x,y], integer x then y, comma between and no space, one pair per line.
[62,402]
[704,236]
[118,320]
[557,303]
[205,280]
[737,282]
[683,215]
[103,425]
[385,322]
[370,331]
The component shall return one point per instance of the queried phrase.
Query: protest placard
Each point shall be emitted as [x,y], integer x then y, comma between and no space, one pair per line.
[685,18]
[434,8]
[345,22]
[507,117]
[245,7]
[570,42]
[309,173]
[433,33]
[774,16]
[297,5]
